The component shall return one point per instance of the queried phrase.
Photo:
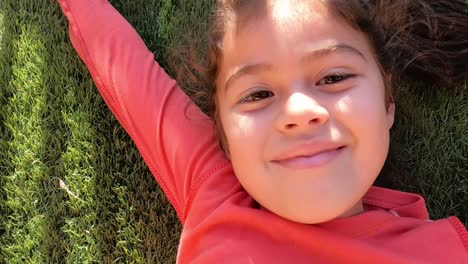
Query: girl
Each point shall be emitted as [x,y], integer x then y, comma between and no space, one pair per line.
[302,105]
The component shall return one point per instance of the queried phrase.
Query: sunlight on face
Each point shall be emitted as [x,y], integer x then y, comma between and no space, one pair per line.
[299,102]
[282,9]
[343,104]
[302,106]
[334,134]
[245,125]
[284,12]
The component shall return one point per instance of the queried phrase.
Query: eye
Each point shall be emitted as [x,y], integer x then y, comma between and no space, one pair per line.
[334,78]
[257,96]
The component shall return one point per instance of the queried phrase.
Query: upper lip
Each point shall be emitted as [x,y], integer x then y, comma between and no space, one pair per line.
[308,149]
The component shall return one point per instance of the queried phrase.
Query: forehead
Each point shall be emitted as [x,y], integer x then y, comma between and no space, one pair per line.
[282,22]
[283,12]
[243,14]
[283,31]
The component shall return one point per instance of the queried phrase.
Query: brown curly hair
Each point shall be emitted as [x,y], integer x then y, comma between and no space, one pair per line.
[423,39]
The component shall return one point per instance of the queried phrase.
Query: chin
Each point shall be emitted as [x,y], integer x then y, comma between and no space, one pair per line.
[312,219]
[307,218]
[309,215]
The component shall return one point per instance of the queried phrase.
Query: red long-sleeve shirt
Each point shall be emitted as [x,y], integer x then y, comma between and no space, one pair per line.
[221,222]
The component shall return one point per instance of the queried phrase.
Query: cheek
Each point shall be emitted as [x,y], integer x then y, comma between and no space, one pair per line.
[365,118]
[241,127]
[364,107]
[246,136]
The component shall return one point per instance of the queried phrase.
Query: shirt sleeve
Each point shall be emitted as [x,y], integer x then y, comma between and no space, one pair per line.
[177,142]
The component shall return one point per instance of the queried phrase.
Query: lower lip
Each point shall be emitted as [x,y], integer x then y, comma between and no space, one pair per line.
[309,162]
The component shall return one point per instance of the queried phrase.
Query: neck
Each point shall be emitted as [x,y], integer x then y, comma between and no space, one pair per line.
[356,209]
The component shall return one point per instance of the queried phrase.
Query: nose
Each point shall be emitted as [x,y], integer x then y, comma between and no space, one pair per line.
[301,113]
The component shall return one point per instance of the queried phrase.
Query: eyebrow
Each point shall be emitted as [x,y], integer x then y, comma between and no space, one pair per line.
[250,69]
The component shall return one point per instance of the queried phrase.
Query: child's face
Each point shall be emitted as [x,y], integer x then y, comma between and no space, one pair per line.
[292,84]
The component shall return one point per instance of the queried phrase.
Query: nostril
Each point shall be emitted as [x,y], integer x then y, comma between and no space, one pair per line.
[315,120]
[289,126]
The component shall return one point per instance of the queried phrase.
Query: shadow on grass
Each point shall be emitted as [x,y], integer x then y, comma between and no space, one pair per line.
[428,153]
[6,60]
[34,212]
[91,197]
[132,200]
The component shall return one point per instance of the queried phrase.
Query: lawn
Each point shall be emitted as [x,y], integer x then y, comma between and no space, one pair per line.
[73,187]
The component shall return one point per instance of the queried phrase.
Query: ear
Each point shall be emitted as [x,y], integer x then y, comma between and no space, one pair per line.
[391,113]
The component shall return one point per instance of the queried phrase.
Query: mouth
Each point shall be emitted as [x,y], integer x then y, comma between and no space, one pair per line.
[311,161]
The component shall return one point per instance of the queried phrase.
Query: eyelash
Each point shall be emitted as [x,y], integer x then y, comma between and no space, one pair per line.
[265,93]
[250,98]
[341,76]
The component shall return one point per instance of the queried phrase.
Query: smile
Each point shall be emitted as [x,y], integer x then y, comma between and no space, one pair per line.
[310,161]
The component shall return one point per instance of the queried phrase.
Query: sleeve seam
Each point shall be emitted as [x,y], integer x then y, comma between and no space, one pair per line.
[460,229]
[199,181]
[163,186]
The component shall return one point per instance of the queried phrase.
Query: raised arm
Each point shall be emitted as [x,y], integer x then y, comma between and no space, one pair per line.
[179,148]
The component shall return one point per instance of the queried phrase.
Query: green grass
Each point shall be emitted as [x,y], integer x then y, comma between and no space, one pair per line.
[73,187]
